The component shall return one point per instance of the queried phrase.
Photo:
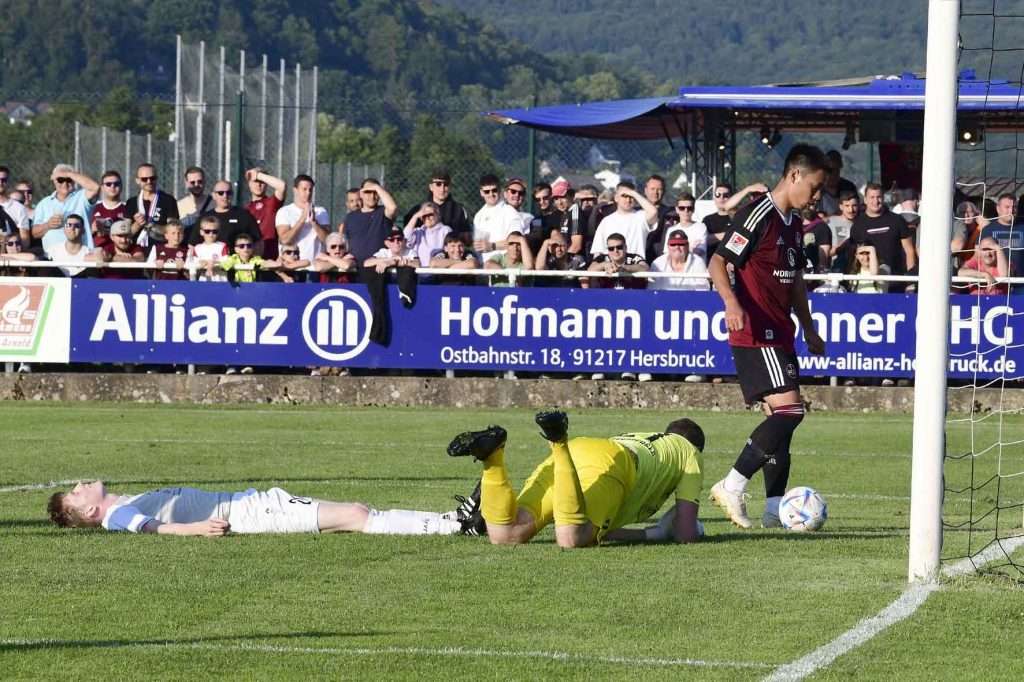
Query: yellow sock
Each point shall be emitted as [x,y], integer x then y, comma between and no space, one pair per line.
[497,499]
[569,506]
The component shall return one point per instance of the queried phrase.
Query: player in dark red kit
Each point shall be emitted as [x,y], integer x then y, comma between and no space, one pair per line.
[765,247]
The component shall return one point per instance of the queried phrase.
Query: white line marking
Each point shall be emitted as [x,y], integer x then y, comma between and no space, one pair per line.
[904,607]
[404,651]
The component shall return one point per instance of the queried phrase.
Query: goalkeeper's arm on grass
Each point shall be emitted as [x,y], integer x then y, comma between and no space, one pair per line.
[679,524]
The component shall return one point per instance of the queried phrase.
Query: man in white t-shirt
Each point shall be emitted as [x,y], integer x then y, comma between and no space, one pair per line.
[495,219]
[515,196]
[680,260]
[301,222]
[632,224]
[72,249]
[190,511]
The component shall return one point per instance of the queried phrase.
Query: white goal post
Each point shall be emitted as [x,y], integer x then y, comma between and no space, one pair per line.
[940,105]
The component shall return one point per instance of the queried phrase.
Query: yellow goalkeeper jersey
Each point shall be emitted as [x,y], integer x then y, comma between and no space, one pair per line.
[666,464]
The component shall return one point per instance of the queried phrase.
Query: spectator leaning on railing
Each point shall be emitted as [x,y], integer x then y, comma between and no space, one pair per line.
[172,251]
[121,249]
[244,253]
[865,262]
[394,254]
[554,255]
[65,200]
[516,256]
[17,218]
[967,225]
[680,260]
[208,253]
[617,259]
[13,254]
[292,270]
[72,249]
[454,257]
[336,265]
[988,263]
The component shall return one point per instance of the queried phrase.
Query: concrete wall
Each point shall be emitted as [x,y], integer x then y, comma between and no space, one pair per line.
[460,392]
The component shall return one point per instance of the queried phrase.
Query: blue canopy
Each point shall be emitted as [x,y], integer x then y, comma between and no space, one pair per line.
[629,119]
[997,105]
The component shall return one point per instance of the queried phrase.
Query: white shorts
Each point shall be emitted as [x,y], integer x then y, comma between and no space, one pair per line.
[273,511]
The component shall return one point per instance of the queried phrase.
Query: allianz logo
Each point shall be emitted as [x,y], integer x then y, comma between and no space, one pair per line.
[335,323]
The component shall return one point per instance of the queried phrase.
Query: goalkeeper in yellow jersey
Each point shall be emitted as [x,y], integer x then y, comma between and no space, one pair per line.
[591,487]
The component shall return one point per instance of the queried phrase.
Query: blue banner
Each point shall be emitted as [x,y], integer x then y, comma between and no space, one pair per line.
[522,329]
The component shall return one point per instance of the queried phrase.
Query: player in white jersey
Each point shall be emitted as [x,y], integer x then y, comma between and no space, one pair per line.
[190,511]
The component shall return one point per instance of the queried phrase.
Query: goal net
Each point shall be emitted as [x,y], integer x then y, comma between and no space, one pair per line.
[983,497]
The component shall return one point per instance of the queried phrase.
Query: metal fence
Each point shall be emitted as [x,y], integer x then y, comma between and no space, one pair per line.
[97,150]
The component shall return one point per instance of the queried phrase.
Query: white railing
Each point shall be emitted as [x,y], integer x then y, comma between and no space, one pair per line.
[193,270]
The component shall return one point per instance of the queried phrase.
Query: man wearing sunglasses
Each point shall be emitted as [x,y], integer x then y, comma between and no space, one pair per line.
[109,209]
[452,213]
[196,201]
[233,220]
[576,219]
[495,220]
[151,208]
[65,200]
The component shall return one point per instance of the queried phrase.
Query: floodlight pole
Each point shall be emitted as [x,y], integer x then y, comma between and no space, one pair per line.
[940,106]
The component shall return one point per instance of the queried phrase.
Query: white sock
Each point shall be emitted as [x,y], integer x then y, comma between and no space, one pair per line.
[771,505]
[736,482]
[405,522]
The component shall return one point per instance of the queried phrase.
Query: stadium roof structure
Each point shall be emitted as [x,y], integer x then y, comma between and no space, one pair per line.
[821,107]
[881,109]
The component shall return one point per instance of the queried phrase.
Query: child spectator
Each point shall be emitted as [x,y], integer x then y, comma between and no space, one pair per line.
[336,265]
[121,249]
[72,249]
[173,250]
[865,262]
[210,251]
[292,267]
[988,263]
[244,254]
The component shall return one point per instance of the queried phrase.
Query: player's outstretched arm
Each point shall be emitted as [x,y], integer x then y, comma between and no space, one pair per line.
[211,528]
[735,316]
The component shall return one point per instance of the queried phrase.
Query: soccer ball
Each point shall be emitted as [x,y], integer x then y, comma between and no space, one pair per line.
[803,509]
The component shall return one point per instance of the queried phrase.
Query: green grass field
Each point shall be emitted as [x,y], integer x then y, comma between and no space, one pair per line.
[86,604]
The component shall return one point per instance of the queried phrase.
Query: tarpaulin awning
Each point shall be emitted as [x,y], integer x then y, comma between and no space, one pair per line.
[629,119]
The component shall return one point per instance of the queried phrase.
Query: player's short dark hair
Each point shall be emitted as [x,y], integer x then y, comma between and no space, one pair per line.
[7,170]
[452,237]
[873,186]
[654,177]
[368,181]
[685,196]
[847,194]
[688,429]
[721,184]
[805,157]
[242,235]
[627,184]
[195,169]
[352,190]
[615,235]
[110,174]
[1006,195]
[489,179]
[542,185]
[302,177]
[589,188]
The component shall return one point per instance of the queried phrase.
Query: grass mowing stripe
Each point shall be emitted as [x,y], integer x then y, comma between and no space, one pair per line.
[402,651]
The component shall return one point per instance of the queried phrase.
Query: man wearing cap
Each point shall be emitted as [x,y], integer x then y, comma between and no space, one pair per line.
[495,219]
[680,260]
[52,211]
[394,254]
[121,249]
[563,194]
[452,213]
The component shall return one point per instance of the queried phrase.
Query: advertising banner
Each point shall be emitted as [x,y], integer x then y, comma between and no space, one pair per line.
[522,329]
[34,319]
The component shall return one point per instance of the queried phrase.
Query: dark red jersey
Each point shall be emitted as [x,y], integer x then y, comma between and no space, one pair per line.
[766,250]
[170,254]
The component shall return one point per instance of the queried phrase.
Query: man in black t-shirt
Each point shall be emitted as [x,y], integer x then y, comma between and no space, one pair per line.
[887,232]
[576,218]
[233,219]
[151,206]
[453,214]
[718,222]
[617,260]
[548,218]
